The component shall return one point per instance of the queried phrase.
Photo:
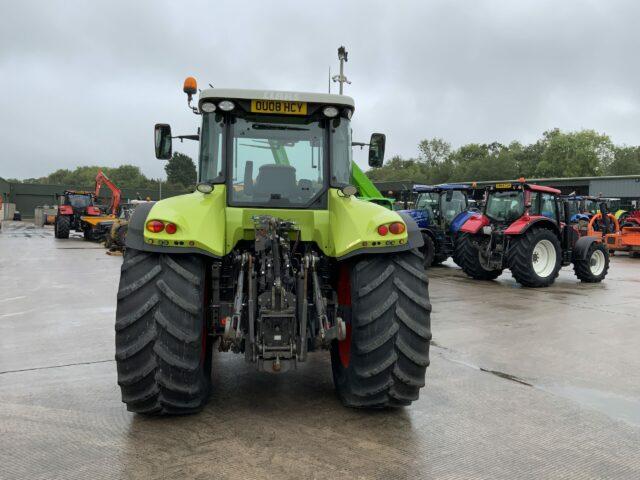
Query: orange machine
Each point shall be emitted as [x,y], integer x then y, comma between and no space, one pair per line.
[627,239]
[596,226]
[101,179]
[97,227]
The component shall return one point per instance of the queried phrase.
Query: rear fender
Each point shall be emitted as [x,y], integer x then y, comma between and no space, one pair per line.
[459,220]
[474,223]
[421,217]
[525,222]
[65,210]
[581,248]
[200,219]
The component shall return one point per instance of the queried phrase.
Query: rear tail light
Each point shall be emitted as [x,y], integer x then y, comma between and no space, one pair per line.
[397,228]
[170,228]
[155,226]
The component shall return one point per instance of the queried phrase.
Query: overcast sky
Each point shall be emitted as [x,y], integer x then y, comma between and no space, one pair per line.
[84,82]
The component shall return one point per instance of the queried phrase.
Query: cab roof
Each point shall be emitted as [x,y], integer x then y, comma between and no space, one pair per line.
[242,94]
[579,197]
[523,185]
[440,188]
[542,188]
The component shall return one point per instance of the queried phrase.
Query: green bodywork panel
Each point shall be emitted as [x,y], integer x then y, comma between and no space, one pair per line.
[206,223]
[367,189]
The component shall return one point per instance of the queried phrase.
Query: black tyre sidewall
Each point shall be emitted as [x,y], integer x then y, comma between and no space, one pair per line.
[385,376]
[582,267]
[160,323]
[520,257]
[467,257]
[428,250]
[62,226]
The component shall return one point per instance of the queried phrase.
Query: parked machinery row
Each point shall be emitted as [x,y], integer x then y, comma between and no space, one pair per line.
[529,229]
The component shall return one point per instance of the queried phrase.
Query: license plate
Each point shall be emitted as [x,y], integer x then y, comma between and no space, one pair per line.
[503,185]
[279,106]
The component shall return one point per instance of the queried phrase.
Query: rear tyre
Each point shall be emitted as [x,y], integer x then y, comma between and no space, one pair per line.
[428,250]
[121,235]
[534,258]
[62,226]
[383,360]
[163,355]
[467,256]
[595,266]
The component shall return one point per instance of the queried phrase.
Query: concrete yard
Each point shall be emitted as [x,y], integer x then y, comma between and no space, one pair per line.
[538,384]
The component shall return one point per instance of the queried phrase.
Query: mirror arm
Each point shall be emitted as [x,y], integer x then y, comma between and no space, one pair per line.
[360,144]
[195,137]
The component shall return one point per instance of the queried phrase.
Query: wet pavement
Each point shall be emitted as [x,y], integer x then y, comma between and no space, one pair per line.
[523,384]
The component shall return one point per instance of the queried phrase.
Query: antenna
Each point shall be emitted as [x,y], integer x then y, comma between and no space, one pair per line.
[341,79]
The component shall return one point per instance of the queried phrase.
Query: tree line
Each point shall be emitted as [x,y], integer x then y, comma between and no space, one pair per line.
[584,153]
[180,170]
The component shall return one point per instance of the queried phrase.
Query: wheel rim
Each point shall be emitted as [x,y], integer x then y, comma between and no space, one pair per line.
[543,258]
[596,262]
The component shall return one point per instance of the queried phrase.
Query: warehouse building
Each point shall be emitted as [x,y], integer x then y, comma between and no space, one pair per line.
[28,196]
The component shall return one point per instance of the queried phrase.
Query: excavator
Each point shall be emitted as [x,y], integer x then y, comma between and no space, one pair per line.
[97,228]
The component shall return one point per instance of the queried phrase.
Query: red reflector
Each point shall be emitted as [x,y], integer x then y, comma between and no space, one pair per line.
[396,228]
[170,228]
[383,230]
[155,226]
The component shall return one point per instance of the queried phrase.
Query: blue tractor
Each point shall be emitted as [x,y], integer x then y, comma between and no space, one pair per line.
[440,211]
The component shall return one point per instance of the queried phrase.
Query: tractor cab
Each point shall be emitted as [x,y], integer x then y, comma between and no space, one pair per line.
[439,211]
[441,204]
[506,203]
[78,202]
[527,229]
[281,151]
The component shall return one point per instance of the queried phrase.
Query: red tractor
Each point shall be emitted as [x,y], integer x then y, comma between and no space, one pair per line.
[73,206]
[522,228]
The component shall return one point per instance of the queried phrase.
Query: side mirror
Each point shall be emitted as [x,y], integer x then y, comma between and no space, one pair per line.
[162,135]
[376,149]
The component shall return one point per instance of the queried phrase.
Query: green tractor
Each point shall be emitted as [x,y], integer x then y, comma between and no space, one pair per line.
[272,257]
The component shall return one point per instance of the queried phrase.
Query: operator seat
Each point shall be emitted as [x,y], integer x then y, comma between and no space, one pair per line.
[275,180]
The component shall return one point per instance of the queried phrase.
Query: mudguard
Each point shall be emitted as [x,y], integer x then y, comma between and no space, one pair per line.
[581,248]
[414,240]
[65,210]
[459,220]
[421,217]
[209,227]
[474,223]
[525,222]
[135,235]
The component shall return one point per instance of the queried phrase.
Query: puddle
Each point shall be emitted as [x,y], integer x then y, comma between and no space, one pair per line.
[615,406]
